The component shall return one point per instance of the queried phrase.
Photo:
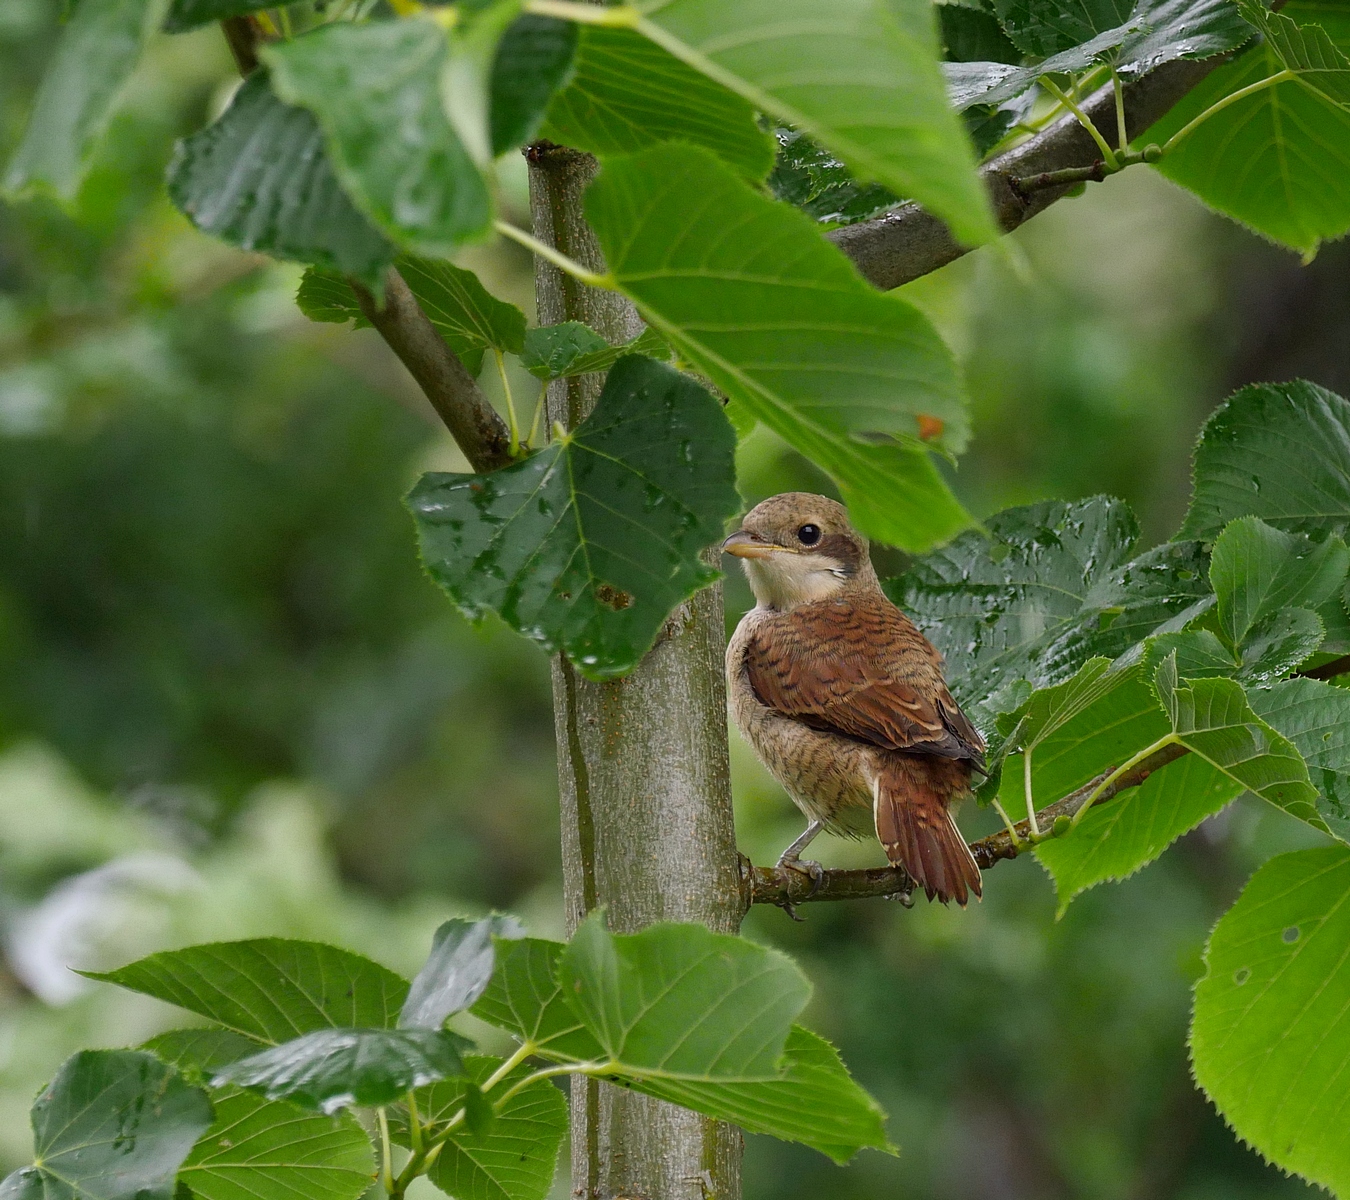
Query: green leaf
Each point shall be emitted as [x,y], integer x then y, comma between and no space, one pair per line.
[1316,717]
[258,1148]
[534,59]
[1277,645]
[628,94]
[571,348]
[524,999]
[815,1102]
[331,1069]
[271,988]
[588,544]
[457,971]
[973,35]
[1270,1036]
[464,312]
[516,1158]
[1050,586]
[1278,160]
[1212,719]
[1307,50]
[112,1125]
[862,81]
[189,14]
[813,180]
[259,179]
[1242,462]
[95,55]
[1116,839]
[1257,570]
[779,319]
[375,89]
[679,1001]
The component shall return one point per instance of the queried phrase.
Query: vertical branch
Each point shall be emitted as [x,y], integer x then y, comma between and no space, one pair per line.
[644,781]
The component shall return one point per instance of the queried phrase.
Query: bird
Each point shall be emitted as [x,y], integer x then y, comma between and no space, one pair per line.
[843,698]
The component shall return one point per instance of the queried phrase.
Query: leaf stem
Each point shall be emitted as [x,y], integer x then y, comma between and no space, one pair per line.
[1122,138]
[1026,786]
[512,424]
[538,412]
[556,257]
[1007,821]
[619,16]
[575,1068]
[1166,740]
[414,1125]
[1232,98]
[1084,120]
[523,1052]
[386,1158]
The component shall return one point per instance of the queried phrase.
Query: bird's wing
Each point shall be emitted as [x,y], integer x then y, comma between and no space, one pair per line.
[863,670]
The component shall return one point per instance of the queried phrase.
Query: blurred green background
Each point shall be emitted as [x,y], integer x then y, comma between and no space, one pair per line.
[230,704]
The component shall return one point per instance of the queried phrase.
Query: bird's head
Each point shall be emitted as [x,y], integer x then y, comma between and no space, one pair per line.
[798,547]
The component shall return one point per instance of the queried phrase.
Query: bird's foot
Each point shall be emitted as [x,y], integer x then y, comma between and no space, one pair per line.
[807,867]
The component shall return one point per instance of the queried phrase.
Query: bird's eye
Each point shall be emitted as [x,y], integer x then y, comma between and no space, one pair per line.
[808,535]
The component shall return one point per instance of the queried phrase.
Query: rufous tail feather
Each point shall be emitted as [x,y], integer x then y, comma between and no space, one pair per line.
[912,796]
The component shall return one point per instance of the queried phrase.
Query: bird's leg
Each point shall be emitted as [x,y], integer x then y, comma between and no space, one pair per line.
[789,858]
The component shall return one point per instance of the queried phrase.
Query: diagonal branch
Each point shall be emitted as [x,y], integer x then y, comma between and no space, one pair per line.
[786,887]
[908,242]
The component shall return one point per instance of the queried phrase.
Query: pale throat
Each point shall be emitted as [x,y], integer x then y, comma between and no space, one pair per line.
[784,580]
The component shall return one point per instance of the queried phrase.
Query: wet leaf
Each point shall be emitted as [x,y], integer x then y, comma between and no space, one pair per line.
[813,180]
[779,320]
[95,55]
[112,1125]
[457,970]
[331,1069]
[1316,717]
[375,89]
[587,545]
[628,94]
[1270,1035]
[1274,648]
[269,988]
[571,348]
[1243,456]
[259,178]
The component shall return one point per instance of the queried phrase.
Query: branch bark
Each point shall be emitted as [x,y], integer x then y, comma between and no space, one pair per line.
[453,392]
[644,781]
[907,243]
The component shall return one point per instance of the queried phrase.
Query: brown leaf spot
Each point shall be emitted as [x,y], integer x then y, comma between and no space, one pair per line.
[613,597]
[930,427]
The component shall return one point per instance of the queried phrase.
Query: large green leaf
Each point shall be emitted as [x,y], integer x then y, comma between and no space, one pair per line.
[332,1069]
[1278,451]
[972,33]
[1212,719]
[271,988]
[533,60]
[628,94]
[1278,159]
[1278,644]
[1116,839]
[516,1158]
[456,972]
[815,1102]
[779,319]
[96,53]
[679,1001]
[1316,718]
[464,312]
[588,544]
[1050,586]
[860,78]
[1257,570]
[375,89]
[259,178]
[1270,1036]
[112,1125]
[813,180]
[263,1148]
[571,348]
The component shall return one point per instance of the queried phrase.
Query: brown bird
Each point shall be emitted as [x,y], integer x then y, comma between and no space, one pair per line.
[843,699]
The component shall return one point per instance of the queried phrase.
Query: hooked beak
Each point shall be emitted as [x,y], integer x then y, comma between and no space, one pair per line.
[748,545]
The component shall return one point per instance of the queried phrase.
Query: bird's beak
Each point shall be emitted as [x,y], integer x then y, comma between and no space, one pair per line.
[747,545]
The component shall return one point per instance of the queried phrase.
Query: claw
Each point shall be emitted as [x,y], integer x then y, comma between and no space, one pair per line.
[808,867]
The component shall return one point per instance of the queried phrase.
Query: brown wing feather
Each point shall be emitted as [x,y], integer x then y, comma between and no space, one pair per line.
[859,667]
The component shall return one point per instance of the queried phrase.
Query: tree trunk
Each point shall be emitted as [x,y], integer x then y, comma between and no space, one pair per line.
[645,789]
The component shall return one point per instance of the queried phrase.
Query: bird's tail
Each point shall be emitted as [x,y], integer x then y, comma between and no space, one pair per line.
[912,799]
